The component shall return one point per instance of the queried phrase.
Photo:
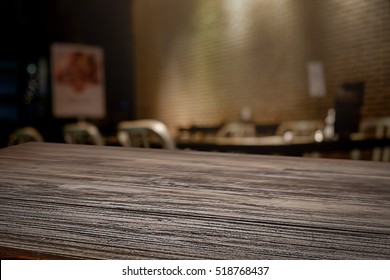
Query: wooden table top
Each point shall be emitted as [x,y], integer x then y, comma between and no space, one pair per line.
[74,201]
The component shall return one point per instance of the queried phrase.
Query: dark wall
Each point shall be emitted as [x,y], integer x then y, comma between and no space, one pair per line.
[24,40]
[28,27]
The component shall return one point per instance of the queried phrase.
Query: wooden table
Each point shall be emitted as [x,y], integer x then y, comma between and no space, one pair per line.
[74,201]
[277,145]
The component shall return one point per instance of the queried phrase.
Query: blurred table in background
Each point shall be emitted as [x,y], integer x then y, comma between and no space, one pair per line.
[277,145]
[68,201]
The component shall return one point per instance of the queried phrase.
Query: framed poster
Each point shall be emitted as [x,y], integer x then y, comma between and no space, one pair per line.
[77,73]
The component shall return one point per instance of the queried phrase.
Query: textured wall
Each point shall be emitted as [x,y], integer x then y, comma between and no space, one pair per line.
[201,61]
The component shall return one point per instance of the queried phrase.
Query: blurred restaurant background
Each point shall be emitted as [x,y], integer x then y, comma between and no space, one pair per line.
[290,77]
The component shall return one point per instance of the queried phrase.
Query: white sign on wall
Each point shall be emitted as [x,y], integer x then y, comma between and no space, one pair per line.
[77,81]
[316,79]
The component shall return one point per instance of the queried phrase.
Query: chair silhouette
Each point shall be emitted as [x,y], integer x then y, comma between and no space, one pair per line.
[144,133]
[82,133]
[23,135]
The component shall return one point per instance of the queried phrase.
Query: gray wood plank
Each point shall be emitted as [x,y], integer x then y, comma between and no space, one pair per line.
[79,201]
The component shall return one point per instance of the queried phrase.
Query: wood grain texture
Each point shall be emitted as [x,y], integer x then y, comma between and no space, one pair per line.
[75,201]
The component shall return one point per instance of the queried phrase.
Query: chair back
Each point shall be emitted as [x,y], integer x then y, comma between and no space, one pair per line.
[237,129]
[82,133]
[23,135]
[144,133]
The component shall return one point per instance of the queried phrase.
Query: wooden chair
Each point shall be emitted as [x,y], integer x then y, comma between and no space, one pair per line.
[82,133]
[144,133]
[23,135]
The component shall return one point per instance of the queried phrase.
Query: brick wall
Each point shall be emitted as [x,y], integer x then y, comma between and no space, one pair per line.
[201,61]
